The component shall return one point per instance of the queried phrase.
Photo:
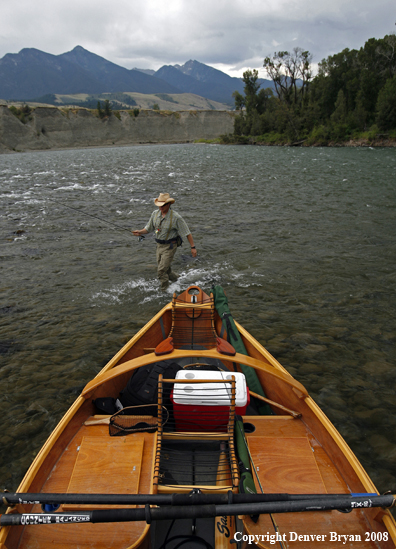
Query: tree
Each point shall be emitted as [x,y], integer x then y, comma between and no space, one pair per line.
[255,102]
[338,72]
[291,74]
[239,100]
[249,101]
[386,50]
[353,91]
[377,63]
[106,111]
[386,105]
[251,88]
[107,107]
[340,112]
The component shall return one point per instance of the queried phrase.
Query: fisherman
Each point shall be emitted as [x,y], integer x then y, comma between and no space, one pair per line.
[170,228]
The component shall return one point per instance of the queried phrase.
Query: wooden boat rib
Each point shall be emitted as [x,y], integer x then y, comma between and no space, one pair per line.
[294,450]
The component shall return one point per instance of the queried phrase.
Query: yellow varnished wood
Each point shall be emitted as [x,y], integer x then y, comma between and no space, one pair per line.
[131,365]
[285,465]
[316,524]
[286,445]
[92,536]
[106,465]
[342,445]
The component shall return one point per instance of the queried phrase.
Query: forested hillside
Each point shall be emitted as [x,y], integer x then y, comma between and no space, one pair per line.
[352,96]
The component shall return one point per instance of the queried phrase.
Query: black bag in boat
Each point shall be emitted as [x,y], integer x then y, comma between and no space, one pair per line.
[142,387]
[107,405]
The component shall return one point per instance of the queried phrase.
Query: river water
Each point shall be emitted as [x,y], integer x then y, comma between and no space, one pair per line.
[302,240]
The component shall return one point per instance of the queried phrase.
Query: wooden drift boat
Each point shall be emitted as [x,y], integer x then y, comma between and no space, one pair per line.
[216,445]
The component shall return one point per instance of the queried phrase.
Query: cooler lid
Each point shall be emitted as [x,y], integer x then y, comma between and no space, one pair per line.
[209,394]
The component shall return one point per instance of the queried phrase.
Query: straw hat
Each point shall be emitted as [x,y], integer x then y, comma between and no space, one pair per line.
[163,198]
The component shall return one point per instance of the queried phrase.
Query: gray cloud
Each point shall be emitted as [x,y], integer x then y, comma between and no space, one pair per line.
[229,34]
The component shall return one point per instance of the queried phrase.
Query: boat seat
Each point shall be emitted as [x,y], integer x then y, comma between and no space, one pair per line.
[193,320]
[195,448]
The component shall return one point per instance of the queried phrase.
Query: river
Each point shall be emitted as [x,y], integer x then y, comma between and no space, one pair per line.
[302,239]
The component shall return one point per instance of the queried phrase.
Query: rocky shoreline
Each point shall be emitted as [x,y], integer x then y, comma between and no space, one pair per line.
[377,142]
[361,142]
[48,128]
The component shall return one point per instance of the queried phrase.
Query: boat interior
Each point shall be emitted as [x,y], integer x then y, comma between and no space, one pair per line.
[184,440]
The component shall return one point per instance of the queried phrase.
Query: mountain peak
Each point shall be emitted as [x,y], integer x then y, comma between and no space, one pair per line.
[202,72]
[82,51]
[32,73]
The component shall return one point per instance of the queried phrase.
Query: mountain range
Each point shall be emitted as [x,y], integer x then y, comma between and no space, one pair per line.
[31,73]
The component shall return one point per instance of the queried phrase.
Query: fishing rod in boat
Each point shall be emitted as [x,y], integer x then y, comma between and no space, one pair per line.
[179,499]
[95,217]
[150,514]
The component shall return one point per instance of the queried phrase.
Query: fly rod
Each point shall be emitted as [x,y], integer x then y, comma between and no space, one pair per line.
[95,217]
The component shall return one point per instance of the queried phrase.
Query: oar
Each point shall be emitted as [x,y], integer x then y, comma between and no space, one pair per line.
[150,514]
[196,498]
[276,405]
[105,420]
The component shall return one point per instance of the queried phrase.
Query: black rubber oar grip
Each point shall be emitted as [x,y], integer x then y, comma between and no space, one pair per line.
[149,514]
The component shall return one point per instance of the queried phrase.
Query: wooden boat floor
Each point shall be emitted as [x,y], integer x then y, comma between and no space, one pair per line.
[289,459]
[129,464]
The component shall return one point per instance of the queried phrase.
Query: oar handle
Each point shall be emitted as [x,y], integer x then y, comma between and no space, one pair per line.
[176,499]
[169,512]
[106,420]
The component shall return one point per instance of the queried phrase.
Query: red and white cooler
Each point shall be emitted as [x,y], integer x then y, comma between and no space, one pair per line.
[206,406]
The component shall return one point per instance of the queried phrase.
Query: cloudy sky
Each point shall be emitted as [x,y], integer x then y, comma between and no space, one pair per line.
[231,35]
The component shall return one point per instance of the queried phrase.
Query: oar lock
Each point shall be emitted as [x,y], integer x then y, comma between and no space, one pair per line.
[243,468]
[5,501]
[387,493]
